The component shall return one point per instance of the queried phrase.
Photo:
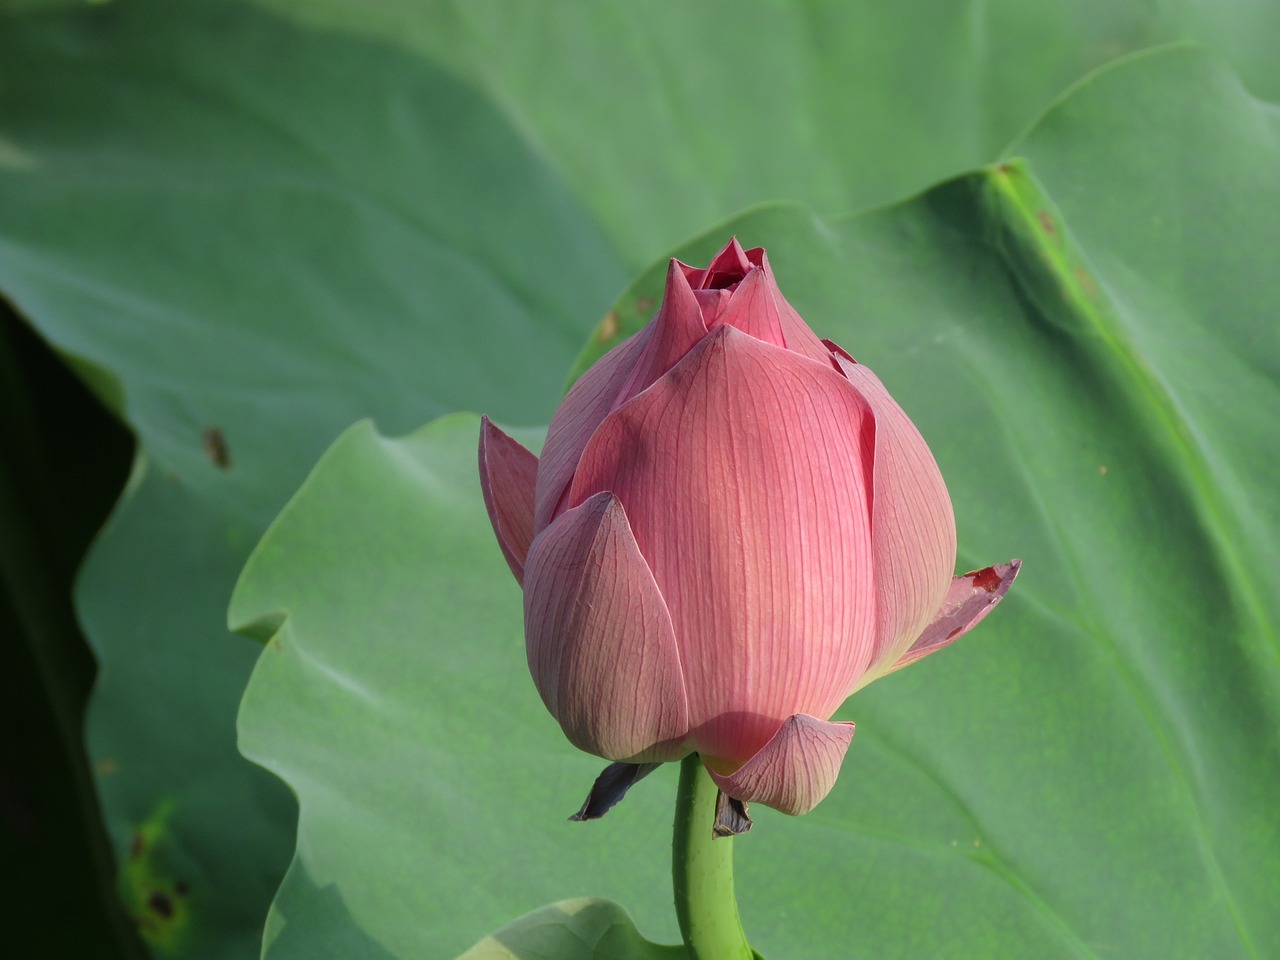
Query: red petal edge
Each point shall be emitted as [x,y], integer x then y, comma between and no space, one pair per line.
[971,597]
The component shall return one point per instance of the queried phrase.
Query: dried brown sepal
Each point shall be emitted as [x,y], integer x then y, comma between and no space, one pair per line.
[732,818]
[611,786]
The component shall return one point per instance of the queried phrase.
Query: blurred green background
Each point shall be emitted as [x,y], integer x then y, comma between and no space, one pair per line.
[229,230]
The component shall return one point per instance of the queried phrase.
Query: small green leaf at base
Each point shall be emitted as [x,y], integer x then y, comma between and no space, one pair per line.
[582,929]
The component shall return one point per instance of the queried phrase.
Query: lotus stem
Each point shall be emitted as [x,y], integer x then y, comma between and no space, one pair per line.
[702,872]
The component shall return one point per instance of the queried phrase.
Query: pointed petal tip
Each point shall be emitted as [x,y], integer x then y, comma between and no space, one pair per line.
[727,267]
[838,351]
[795,769]
[508,478]
[732,247]
[753,310]
[678,272]
[970,598]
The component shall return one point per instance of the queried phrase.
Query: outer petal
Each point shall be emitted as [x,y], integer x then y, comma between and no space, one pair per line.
[795,769]
[914,527]
[970,598]
[677,329]
[622,373]
[799,337]
[588,402]
[508,473]
[753,309]
[600,643]
[745,473]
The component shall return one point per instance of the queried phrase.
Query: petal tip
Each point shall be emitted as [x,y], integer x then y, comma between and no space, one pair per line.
[970,598]
[508,478]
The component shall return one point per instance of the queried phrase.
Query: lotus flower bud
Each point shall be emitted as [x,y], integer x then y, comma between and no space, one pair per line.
[732,527]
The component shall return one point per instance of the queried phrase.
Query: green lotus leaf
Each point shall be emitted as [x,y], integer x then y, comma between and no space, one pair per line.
[260,233]
[584,929]
[1084,333]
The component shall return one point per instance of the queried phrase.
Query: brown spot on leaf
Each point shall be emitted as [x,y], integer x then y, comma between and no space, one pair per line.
[609,327]
[215,447]
[1102,469]
[136,846]
[1046,221]
[644,304]
[160,904]
[1085,281]
[985,579]
[107,766]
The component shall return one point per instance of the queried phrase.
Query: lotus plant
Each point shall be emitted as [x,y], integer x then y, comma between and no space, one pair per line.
[732,527]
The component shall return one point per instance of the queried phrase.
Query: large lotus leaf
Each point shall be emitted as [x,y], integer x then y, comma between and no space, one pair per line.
[1086,337]
[262,233]
[841,105]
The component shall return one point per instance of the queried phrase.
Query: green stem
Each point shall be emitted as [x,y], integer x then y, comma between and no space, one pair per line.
[702,872]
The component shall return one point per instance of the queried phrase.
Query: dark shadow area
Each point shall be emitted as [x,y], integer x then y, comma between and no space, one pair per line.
[63,461]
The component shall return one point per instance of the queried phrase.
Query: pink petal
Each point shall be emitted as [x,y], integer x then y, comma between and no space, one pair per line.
[508,473]
[622,373]
[587,403]
[677,329]
[713,303]
[914,532]
[726,268]
[795,769]
[745,474]
[753,309]
[600,643]
[799,338]
[970,598]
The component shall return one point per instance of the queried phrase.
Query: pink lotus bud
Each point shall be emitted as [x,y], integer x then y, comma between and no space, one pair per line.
[732,527]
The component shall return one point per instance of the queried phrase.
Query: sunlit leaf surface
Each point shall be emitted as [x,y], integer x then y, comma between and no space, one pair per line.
[1086,775]
[262,232]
